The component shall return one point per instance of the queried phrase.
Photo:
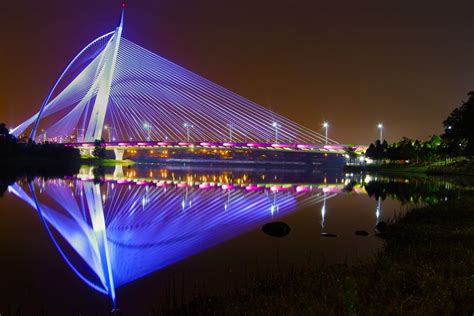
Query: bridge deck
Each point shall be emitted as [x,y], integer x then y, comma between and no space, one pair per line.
[318,148]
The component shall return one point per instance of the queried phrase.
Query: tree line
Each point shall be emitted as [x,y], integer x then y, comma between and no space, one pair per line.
[14,151]
[456,140]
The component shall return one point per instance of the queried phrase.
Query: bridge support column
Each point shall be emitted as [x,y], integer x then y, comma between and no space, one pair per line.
[87,151]
[119,153]
[118,171]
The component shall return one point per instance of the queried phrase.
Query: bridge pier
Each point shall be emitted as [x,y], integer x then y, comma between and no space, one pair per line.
[119,153]
[118,171]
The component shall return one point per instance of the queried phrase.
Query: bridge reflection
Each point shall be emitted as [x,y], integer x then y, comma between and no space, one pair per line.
[115,225]
[120,226]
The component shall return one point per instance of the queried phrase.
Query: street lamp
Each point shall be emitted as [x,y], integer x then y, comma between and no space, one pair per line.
[326,125]
[230,132]
[378,209]
[44,135]
[108,131]
[187,126]
[148,128]
[276,126]
[323,210]
[380,127]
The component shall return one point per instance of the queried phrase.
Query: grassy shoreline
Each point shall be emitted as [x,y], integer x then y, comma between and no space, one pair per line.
[462,167]
[91,161]
[425,268]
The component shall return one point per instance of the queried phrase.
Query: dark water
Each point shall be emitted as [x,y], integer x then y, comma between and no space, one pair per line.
[145,236]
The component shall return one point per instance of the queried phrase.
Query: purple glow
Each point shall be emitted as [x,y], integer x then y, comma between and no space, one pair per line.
[301,189]
[145,229]
[227,187]
[184,144]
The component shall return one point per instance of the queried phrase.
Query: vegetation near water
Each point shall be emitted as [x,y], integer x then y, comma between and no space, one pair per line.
[30,153]
[425,268]
[448,153]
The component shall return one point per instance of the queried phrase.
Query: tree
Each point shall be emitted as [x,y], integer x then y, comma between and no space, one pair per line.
[5,133]
[459,128]
[377,151]
[371,151]
[351,153]
[99,149]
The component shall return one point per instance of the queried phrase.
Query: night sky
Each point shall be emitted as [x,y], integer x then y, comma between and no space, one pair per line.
[354,63]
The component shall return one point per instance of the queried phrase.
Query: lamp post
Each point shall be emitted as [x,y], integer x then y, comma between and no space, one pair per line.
[187,126]
[106,127]
[326,125]
[44,136]
[148,128]
[323,210]
[378,209]
[276,126]
[230,132]
[380,127]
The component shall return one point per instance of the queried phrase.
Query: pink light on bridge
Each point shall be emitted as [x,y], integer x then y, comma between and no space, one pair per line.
[204,186]
[258,145]
[301,189]
[275,188]
[303,146]
[331,190]
[253,187]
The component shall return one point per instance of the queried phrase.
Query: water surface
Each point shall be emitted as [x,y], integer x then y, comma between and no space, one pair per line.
[141,236]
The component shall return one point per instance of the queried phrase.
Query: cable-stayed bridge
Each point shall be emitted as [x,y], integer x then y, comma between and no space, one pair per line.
[116,90]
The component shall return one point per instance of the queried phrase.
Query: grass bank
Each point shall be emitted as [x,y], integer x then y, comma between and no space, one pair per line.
[426,268]
[91,161]
[460,166]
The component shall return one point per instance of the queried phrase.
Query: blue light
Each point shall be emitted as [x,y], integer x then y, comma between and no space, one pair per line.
[119,83]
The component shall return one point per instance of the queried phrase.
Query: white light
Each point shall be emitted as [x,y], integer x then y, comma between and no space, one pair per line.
[380,125]
[325,124]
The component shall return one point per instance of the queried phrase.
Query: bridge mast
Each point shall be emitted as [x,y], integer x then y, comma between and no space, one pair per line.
[97,118]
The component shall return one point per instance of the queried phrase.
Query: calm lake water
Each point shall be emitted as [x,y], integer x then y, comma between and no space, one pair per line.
[146,235]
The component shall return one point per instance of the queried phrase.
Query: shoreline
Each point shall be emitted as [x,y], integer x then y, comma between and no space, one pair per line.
[456,168]
[425,261]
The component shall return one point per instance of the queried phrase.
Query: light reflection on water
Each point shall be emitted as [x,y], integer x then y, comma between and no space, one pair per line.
[115,226]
